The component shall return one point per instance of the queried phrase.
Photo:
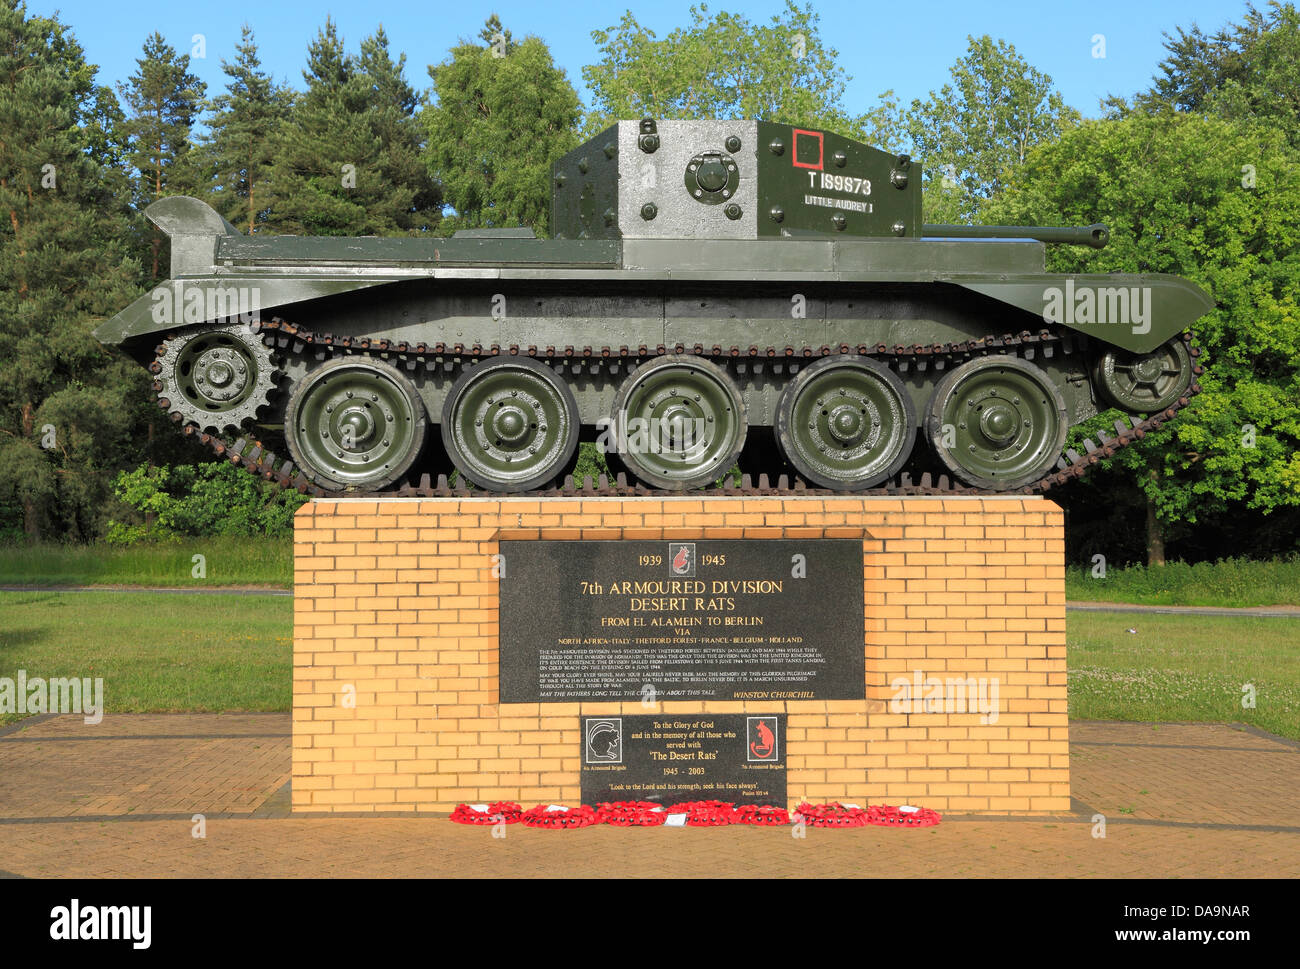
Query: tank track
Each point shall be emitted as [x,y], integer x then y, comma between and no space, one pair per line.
[284,337]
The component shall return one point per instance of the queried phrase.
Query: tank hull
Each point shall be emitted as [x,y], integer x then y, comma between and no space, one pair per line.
[745,317]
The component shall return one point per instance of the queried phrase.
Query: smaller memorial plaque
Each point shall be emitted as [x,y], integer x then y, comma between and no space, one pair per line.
[670,758]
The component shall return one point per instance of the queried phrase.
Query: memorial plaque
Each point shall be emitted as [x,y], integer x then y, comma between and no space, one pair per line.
[670,758]
[757,619]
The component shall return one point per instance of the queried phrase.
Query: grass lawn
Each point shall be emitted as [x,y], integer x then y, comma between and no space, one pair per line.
[159,652]
[269,563]
[155,652]
[1231,582]
[226,561]
[1184,668]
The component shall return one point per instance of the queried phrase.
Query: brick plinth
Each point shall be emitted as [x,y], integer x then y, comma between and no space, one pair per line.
[395,699]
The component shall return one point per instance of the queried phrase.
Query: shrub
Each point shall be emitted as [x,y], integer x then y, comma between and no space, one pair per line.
[201,500]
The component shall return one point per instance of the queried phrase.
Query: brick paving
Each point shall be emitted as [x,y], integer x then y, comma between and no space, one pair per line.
[117,800]
[143,765]
[1186,772]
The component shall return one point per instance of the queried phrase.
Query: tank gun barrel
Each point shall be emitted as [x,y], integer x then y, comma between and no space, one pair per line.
[1096,235]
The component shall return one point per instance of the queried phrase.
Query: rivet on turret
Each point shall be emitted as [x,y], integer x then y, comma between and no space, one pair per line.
[610,217]
[583,165]
[733,211]
[610,149]
[840,159]
[776,213]
[898,179]
[899,228]
[649,211]
[649,140]
[559,181]
[733,143]
[840,221]
[776,146]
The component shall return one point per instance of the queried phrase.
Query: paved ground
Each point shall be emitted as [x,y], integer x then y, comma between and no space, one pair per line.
[118,800]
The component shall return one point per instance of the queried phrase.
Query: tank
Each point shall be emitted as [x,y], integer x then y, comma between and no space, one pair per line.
[718,294]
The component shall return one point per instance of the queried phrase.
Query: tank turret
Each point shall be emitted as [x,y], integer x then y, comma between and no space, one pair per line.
[731,180]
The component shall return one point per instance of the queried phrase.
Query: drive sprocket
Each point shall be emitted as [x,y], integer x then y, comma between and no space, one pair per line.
[216,378]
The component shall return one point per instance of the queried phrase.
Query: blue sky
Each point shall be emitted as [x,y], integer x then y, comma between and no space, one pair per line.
[882,43]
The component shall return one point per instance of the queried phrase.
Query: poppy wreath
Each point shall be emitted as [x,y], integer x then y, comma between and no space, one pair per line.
[503,811]
[833,815]
[631,814]
[578,817]
[760,814]
[892,817]
[704,814]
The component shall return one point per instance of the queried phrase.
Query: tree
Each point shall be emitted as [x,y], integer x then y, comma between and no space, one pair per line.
[975,130]
[495,37]
[724,66]
[164,98]
[1171,189]
[245,125]
[349,162]
[503,114]
[1242,71]
[68,408]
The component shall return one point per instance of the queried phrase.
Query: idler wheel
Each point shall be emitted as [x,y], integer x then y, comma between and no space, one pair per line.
[1144,383]
[846,423]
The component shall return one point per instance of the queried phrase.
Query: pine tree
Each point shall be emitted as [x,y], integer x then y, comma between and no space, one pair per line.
[496,38]
[246,123]
[504,113]
[349,162]
[164,98]
[68,408]
[390,114]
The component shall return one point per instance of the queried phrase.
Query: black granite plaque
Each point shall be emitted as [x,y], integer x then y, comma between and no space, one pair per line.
[756,619]
[671,758]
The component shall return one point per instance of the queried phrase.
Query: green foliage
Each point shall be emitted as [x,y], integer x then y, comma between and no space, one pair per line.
[1170,187]
[161,562]
[198,500]
[349,162]
[1229,582]
[591,463]
[164,99]
[723,66]
[503,114]
[246,123]
[972,132]
[1244,71]
[67,406]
